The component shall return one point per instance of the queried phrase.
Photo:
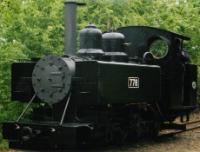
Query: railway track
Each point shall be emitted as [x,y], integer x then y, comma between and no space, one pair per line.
[189,126]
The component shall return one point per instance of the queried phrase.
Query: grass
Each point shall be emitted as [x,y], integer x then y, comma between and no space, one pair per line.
[3,145]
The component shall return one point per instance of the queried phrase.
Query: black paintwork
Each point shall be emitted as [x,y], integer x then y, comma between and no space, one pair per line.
[21,81]
[110,97]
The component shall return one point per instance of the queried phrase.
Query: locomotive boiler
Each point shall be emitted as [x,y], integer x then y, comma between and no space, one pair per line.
[119,85]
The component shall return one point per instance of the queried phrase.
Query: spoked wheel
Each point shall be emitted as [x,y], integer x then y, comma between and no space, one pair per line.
[141,127]
[116,135]
[154,130]
[137,126]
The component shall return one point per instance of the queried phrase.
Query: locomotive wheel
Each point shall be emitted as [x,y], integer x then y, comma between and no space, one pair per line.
[137,126]
[154,130]
[109,135]
[120,135]
[115,135]
[140,127]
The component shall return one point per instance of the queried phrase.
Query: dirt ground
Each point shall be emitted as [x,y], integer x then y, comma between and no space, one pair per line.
[187,142]
[184,142]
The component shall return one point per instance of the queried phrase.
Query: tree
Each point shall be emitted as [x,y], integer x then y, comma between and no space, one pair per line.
[33,28]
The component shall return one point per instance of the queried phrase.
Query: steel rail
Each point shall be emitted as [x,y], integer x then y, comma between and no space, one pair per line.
[188,128]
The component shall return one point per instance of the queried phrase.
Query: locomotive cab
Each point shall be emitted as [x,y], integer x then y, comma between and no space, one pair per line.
[178,76]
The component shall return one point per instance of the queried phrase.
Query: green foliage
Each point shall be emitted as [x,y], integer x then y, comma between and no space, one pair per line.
[33,28]
[36,24]
[10,52]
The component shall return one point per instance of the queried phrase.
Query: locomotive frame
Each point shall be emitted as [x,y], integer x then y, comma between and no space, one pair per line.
[113,89]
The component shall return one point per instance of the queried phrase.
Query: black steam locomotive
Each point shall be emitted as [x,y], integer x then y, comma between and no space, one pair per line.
[119,85]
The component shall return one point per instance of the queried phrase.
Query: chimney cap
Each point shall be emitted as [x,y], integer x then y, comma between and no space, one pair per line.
[74,2]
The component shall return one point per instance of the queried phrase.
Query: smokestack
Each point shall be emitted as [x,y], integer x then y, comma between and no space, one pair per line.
[70,27]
